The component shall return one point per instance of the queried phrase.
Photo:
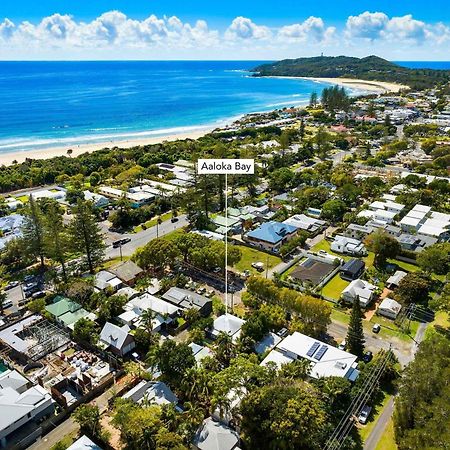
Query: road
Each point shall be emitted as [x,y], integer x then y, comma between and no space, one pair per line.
[140,239]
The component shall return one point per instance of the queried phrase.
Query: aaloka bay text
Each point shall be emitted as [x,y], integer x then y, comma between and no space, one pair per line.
[225,166]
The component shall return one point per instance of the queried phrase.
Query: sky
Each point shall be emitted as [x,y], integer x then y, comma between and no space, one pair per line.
[400,30]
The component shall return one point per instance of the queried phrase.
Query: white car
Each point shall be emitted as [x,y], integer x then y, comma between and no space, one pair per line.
[364,414]
[259,266]
[342,345]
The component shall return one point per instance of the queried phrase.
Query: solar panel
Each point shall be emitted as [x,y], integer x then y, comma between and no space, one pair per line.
[313,349]
[321,352]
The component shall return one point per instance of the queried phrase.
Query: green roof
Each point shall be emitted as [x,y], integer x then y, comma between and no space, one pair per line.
[62,305]
[71,317]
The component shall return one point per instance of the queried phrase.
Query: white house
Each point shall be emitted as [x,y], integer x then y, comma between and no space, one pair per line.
[107,280]
[303,222]
[229,324]
[154,392]
[326,360]
[213,435]
[20,403]
[395,279]
[84,443]
[348,246]
[118,339]
[389,308]
[99,201]
[359,289]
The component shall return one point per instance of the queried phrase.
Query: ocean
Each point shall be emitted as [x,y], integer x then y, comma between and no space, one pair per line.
[54,104]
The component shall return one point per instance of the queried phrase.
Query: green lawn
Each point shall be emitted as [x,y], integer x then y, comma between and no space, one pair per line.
[251,255]
[441,319]
[153,222]
[340,316]
[387,441]
[23,198]
[173,235]
[334,287]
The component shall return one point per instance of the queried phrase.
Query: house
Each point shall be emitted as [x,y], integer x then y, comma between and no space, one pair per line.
[356,231]
[67,312]
[227,224]
[213,435]
[155,392]
[394,280]
[271,235]
[111,192]
[105,280]
[229,324]
[138,199]
[186,299]
[415,242]
[199,352]
[326,360]
[303,222]
[268,342]
[21,405]
[55,194]
[127,271]
[389,308]
[348,246]
[13,203]
[117,339]
[84,443]
[10,228]
[361,290]
[98,200]
[128,292]
[352,269]
[210,235]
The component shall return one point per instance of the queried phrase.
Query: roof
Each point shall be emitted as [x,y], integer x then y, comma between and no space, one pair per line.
[390,305]
[213,435]
[229,324]
[361,290]
[396,278]
[353,265]
[61,306]
[268,342]
[304,222]
[126,270]
[148,301]
[199,351]
[272,232]
[11,335]
[153,391]
[114,336]
[185,299]
[326,360]
[84,443]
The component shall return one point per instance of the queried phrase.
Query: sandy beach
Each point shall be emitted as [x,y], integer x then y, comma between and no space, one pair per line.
[377,87]
[20,156]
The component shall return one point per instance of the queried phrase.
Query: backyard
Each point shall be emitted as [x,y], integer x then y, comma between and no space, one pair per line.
[252,255]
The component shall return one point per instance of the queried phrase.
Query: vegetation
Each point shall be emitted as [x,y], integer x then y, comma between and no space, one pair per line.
[355,332]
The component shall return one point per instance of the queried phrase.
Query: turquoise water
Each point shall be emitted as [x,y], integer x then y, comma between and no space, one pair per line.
[47,104]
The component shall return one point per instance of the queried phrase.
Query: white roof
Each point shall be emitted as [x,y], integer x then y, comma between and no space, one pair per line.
[153,391]
[229,324]
[396,278]
[214,436]
[268,342]
[422,208]
[113,335]
[410,221]
[84,443]
[148,301]
[326,360]
[278,358]
[361,289]
[390,305]
[199,351]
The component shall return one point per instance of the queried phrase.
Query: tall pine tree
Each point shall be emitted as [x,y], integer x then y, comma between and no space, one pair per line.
[355,332]
[85,234]
[33,231]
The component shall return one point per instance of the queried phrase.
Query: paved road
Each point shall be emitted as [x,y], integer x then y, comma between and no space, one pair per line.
[378,430]
[65,428]
[140,239]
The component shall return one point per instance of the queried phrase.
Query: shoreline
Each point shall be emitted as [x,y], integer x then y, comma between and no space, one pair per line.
[7,159]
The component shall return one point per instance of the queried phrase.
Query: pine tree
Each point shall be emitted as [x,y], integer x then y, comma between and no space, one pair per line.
[86,236]
[33,231]
[55,237]
[355,332]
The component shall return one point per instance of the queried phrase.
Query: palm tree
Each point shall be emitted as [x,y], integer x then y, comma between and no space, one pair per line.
[147,318]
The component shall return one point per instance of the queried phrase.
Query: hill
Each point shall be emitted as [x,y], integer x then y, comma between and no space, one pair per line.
[371,68]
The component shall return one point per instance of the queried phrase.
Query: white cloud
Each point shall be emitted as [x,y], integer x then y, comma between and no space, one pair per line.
[404,29]
[244,28]
[313,29]
[6,29]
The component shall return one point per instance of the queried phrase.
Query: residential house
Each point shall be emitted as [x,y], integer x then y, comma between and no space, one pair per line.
[268,342]
[348,246]
[10,228]
[98,200]
[21,404]
[326,360]
[210,235]
[389,308]
[105,280]
[155,392]
[213,435]
[415,242]
[84,443]
[356,231]
[200,352]
[117,339]
[127,271]
[185,299]
[394,280]
[303,222]
[359,290]
[229,324]
[271,235]
[232,225]
[67,312]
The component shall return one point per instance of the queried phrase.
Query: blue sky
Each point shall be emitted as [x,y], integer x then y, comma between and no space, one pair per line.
[234,29]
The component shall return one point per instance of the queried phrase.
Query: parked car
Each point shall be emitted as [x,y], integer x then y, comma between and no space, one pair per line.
[7,304]
[364,414]
[259,266]
[283,332]
[201,290]
[367,357]
[210,293]
[342,345]
[38,294]
[11,284]
[376,328]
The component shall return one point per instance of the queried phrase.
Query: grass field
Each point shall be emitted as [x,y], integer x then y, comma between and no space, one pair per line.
[334,287]
[152,222]
[387,441]
[441,319]
[173,235]
[251,255]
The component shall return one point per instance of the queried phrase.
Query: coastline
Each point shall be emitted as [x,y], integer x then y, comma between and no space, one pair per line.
[7,159]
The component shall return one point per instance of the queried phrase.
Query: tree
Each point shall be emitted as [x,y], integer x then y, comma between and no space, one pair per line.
[147,318]
[33,231]
[85,234]
[384,246]
[334,210]
[56,240]
[313,99]
[37,306]
[88,417]
[283,416]
[280,179]
[421,407]
[95,178]
[3,298]
[435,258]
[224,349]
[85,331]
[157,254]
[355,332]
[414,288]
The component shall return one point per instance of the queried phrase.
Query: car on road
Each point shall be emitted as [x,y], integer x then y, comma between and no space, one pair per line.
[11,285]
[29,278]
[364,414]
[367,357]
[376,328]
[38,294]
[210,293]
[259,266]
[121,242]
[342,345]
[7,304]
[201,290]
